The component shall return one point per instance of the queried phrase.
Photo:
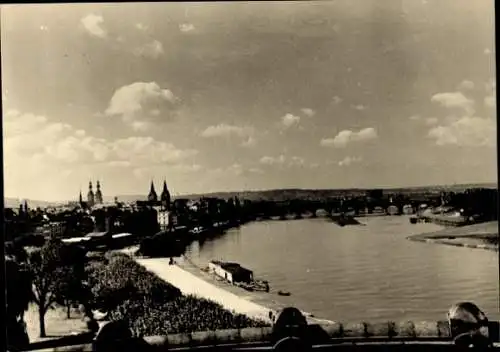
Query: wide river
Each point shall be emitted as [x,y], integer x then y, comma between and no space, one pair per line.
[360,273]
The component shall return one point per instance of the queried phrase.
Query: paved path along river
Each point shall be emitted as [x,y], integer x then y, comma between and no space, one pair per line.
[359,273]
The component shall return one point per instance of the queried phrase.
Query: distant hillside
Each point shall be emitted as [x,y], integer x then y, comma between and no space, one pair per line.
[15,202]
[284,194]
[273,194]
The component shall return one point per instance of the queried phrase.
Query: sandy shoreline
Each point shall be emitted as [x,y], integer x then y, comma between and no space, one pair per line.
[471,236]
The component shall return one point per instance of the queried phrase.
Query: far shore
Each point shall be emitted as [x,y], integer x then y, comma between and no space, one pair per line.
[480,236]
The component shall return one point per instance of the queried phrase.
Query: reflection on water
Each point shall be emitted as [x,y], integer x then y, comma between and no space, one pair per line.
[357,273]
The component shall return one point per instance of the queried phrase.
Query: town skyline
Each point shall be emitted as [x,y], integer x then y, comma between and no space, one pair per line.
[216,97]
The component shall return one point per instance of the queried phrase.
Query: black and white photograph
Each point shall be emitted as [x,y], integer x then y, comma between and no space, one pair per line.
[250,175]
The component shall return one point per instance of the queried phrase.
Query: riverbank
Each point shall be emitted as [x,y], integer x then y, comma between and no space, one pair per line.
[191,279]
[481,236]
[263,299]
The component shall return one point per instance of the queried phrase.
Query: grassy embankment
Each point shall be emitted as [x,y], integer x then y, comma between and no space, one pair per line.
[152,306]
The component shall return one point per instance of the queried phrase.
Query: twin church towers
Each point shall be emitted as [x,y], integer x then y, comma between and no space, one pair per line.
[165,197]
[93,198]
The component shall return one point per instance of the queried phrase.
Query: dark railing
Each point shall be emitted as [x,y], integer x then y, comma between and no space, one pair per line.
[465,329]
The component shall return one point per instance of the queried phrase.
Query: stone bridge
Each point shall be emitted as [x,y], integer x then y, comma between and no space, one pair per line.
[302,208]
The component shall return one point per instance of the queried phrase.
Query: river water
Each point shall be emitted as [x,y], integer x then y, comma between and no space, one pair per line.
[359,273]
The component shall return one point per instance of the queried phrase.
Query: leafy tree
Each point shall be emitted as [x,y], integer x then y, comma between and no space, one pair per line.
[71,290]
[49,273]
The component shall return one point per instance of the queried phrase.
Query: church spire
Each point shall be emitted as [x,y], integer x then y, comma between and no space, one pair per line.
[152,197]
[90,195]
[98,193]
[165,196]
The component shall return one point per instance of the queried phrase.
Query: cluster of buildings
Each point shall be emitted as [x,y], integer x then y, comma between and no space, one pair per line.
[162,204]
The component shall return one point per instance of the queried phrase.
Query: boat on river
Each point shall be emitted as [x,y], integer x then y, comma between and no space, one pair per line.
[284,293]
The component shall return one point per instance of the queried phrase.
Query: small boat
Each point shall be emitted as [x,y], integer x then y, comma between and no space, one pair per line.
[284,293]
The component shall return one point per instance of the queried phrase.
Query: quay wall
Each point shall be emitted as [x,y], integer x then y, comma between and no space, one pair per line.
[436,331]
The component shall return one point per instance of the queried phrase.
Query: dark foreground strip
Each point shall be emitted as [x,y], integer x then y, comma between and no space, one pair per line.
[320,335]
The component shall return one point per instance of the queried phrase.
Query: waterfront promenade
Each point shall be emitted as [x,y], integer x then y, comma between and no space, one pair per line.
[191,280]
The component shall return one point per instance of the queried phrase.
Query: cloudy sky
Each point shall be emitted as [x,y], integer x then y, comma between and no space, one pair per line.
[232,96]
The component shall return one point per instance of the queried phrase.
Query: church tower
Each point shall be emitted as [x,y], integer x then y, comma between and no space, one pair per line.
[152,197]
[80,199]
[165,197]
[90,196]
[98,194]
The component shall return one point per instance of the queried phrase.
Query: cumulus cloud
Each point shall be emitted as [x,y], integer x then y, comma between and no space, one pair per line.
[454,100]
[255,170]
[152,50]
[337,100]
[487,51]
[141,126]
[141,26]
[270,160]
[308,112]
[282,160]
[415,117]
[290,120]
[349,160]
[466,131]
[225,130]
[359,107]
[245,134]
[93,24]
[466,85]
[28,135]
[132,102]
[297,161]
[37,148]
[347,136]
[186,27]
